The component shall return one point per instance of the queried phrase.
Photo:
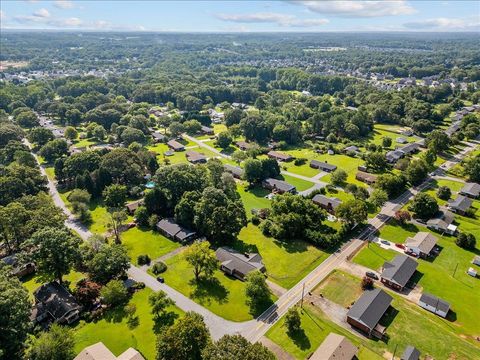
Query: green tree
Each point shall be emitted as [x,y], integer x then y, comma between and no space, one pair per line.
[54,252]
[472,168]
[202,258]
[54,149]
[234,347]
[417,171]
[15,310]
[114,293]
[253,171]
[339,177]
[78,197]
[224,140]
[55,344]
[257,291]
[293,321]
[115,196]
[352,212]
[142,215]
[185,209]
[378,197]
[116,222]
[40,136]
[159,301]
[27,119]
[107,262]
[376,161]
[424,206]
[386,142]
[176,129]
[239,156]
[466,241]
[71,133]
[444,192]
[184,340]
[438,141]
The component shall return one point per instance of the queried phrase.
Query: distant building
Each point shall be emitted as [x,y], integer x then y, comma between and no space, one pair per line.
[398,272]
[327,203]
[434,304]
[443,223]
[19,269]
[207,130]
[54,303]
[279,186]
[366,177]
[238,264]
[175,145]
[421,244]
[158,137]
[169,228]
[195,157]
[335,347]
[401,140]
[131,207]
[99,351]
[280,156]
[393,156]
[320,165]
[236,171]
[460,205]
[243,145]
[471,190]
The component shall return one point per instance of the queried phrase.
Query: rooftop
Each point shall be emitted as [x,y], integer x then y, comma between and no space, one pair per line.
[370,307]
[335,347]
[400,269]
[462,203]
[423,241]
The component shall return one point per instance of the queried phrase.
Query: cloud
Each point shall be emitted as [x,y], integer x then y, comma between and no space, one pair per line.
[43,13]
[358,8]
[3,16]
[64,4]
[445,24]
[272,18]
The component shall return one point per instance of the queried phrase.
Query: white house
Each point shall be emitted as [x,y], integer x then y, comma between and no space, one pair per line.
[434,304]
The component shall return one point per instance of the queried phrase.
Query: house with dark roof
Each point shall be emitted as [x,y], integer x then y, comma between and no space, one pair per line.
[366,177]
[421,244]
[460,205]
[327,203]
[398,272]
[243,145]
[335,347]
[393,156]
[410,353]
[410,148]
[279,156]
[236,171]
[434,304]
[207,130]
[19,269]
[195,157]
[158,137]
[238,264]
[169,228]
[443,223]
[53,302]
[320,165]
[366,312]
[278,186]
[175,145]
[472,190]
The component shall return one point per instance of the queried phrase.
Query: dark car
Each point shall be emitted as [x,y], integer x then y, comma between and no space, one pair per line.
[160,279]
[371,275]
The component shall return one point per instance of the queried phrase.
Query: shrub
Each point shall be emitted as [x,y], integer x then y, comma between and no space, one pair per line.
[367,283]
[159,267]
[255,220]
[114,293]
[466,241]
[143,259]
[300,161]
[293,320]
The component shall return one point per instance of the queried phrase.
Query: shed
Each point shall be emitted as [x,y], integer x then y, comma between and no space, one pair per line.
[434,304]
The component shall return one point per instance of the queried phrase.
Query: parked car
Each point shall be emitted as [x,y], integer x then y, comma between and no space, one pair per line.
[385,242]
[400,246]
[160,279]
[371,275]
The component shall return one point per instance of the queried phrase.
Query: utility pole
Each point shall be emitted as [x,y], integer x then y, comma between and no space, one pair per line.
[303,293]
[394,351]
[454,271]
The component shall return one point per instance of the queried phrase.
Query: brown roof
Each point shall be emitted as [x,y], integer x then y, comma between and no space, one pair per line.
[422,240]
[279,155]
[363,176]
[335,347]
[99,351]
[175,145]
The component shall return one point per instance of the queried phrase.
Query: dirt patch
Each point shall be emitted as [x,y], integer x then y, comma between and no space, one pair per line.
[4,65]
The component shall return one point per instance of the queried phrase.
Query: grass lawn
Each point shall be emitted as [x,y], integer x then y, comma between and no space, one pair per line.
[454,186]
[223,295]
[445,276]
[85,142]
[32,282]
[300,184]
[344,162]
[50,170]
[286,264]
[392,131]
[140,241]
[253,198]
[114,331]
[340,287]
[316,327]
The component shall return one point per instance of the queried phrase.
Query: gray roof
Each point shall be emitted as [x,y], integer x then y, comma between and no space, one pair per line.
[370,307]
[462,203]
[409,148]
[394,155]
[351,148]
[58,301]
[279,185]
[435,302]
[236,261]
[280,155]
[472,189]
[326,201]
[322,165]
[170,227]
[410,353]
[158,135]
[422,240]
[206,129]
[400,269]
[235,170]
[443,220]
[194,156]
[244,144]
[174,144]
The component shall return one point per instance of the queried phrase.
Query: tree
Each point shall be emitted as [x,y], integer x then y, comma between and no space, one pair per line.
[40,135]
[378,197]
[339,177]
[71,133]
[256,291]
[114,293]
[430,157]
[54,251]
[55,344]
[99,132]
[236,347]
[15,310]
[239,156]
[293,321]
[417,171]
[116,221]
[466,241]
[444,192]
[159,303]
[472,168]
[233,116]
[54,149]
[202,258]
[391,184]
[142,215]
[192,126]
[376,161]
[386,142]
[176,129]
[115,196]
[123,167]
[78,197]
[253,171]
[367,283]
[424,206]
[108,262]
[87,292]
[438,141]
[224,140]
[352,212]
[27,119]
[131,135]
[184,340]
[402,216]
[185,209]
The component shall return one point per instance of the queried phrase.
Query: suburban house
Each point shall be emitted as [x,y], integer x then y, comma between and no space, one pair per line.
[393,156]
[434,304]
[421,244]
[329,204]
[471,190]
[398,272]
[410,353]
[335,347]
[410,148]
[278,186]
[207,130]
[407,132]
[367,311]
[279,156]
[195,157]
[366,177]
[19,269]
[131,207]
[243,145]
[460,205]
[53,302]
[99,351]
[175,145]
[236,171]
[169,228]
[238,264]
[158,137]
[443,223]
[320,165]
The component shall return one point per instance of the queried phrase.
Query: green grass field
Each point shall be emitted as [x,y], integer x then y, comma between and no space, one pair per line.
[253,198]
[445,276]
[223,295]
[340,287]
[140,241]
[300,184]
[392,131]
[286,264]
[114,331]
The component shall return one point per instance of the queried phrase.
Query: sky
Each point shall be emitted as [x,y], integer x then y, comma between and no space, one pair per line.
[241,16]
